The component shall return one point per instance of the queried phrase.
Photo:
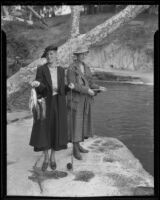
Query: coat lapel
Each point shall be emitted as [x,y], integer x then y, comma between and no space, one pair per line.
[81,74]
[48,76]
[49,79]
[59,77]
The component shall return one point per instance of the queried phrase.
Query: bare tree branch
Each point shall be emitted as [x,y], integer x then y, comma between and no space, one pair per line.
[6,12]
[37,15]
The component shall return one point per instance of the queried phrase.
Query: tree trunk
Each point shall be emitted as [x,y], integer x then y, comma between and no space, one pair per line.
[75,17]
[89,9]
[92,9]
[36,15]
[27,74]
[6,12]
[30,16]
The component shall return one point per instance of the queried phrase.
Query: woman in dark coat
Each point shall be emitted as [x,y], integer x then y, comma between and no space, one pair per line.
[50,132]
[79,103]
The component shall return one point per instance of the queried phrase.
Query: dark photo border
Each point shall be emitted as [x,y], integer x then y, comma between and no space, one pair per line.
[4,104]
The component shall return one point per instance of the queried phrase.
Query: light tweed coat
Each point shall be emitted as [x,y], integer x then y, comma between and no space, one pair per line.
[79,103]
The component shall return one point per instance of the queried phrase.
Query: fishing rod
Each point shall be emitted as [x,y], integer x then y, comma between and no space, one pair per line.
[70,164]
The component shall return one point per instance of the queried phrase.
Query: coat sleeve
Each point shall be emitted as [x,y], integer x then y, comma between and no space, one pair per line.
[39,77]
[71,78]
[92,85]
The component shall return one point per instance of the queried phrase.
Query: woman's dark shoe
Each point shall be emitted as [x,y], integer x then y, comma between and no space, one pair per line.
[53,165]
[81,149]
[44,166]
[76,152]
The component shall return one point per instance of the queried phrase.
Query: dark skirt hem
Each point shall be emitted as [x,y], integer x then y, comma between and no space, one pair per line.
[51,132]
[47,148]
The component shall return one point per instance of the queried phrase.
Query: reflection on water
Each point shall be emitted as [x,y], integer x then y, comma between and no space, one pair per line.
[125,112]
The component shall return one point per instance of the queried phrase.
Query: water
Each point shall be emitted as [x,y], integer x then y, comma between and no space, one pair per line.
[125,112]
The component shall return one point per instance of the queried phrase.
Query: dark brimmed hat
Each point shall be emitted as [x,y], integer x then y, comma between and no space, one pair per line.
[49,48]
[81,50]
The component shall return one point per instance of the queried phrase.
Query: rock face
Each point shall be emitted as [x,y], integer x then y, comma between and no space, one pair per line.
[130,48]
[121,57]
[109,169]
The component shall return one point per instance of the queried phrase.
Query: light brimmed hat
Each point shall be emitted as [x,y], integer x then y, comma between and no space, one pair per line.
[81,50]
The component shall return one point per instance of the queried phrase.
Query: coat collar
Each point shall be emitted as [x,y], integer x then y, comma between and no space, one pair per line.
[48,76]
[78,71]
[77,68]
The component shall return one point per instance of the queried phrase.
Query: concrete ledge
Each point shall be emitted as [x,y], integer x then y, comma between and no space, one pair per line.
[18,115]
[109,169]
[123,76]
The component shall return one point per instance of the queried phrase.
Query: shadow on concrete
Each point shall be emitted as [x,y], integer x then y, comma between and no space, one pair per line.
[39,176]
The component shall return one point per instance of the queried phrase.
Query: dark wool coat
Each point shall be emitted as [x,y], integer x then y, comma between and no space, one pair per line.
[79,103]
[41,134]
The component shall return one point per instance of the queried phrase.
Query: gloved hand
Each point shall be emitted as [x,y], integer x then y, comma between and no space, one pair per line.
[71,86]
[35,83]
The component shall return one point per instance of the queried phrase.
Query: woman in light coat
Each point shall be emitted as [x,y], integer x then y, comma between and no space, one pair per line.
[79,102]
